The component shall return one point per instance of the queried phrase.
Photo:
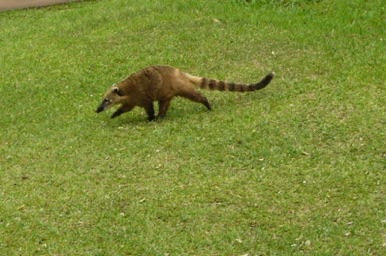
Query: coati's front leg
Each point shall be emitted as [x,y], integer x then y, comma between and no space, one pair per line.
[163,106]
[121,110]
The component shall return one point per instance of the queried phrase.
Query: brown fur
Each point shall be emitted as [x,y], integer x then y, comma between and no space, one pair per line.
[162,84]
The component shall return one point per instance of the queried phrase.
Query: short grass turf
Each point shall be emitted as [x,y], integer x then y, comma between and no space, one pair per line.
[295,169]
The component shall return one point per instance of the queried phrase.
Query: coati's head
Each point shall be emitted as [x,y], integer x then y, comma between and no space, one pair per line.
[111,98]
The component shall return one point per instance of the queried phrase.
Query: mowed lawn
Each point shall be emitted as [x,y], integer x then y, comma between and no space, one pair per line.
[295,169]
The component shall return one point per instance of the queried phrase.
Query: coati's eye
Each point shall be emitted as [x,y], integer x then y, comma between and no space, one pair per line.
[116,90]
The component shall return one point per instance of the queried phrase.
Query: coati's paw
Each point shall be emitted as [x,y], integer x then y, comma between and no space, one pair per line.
[151,118]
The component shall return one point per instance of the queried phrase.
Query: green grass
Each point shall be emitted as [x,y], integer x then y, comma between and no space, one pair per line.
[295,169]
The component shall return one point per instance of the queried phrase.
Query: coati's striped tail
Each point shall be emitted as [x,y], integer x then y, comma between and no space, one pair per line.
[212,84]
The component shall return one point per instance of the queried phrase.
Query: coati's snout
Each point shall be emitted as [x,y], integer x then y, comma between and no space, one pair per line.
[102,106]
[105,104]
[109,98]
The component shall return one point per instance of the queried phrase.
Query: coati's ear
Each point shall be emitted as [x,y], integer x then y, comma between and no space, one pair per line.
[115,89]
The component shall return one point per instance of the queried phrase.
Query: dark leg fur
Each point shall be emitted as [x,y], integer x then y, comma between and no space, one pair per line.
[163,106]
[117,113]
[121,110]
[149,108]
[196,97]
[207,105]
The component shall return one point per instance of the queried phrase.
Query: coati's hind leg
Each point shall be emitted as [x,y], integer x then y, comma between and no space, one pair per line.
[196,97]
[163,106]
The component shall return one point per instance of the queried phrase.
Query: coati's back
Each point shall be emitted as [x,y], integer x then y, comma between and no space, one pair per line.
[140,83]
[162,84]
[154,82]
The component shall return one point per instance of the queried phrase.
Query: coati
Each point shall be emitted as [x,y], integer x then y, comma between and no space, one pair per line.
[162,84]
